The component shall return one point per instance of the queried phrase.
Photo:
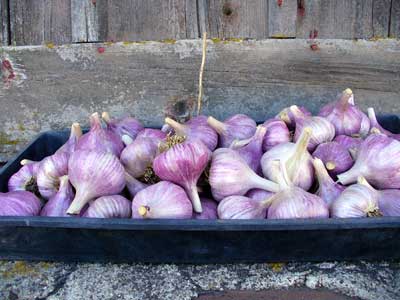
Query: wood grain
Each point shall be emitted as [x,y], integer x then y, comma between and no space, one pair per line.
[282,17]
[395,19]
[381,18]
[149,80]
[40,21]
[235,18]
[4,22]
[84,21]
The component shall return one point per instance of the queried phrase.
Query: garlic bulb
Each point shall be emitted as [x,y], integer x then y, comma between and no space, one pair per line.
[377,128]
[94,174]
[352,144]
[258,195]
[183,165]
[209,210]
[240,207]
[322,130]
[237,127]
[356,201]
[295,157]
[378,161]
[19,203]
[69,146]
[49,172]
[251,149]
[337,159]
[133,185]
[195,129]
[347,118]
[328,190]
[112,206]
[163,200]
[230,175]
[156,134]
[25,178]
[125,126]
[287,116]
[58,204]
[292,202]
[277,133]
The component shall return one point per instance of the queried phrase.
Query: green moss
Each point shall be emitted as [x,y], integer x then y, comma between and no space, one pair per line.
[5,139]
[216,40]
[20,268]
[169,41]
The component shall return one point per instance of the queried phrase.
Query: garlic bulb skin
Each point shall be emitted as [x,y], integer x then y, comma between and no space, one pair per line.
[259,195]
[19,203]
[49,172]
[337,159]
[240,207]
[156,134]
[163,200]
[125,126]
[237,127]
[25,178]
[287,116]
[94,174]
[277,133]
[378,161]
[183,164]
[58,204]
[352,144]
[377,128]
[209,210]
[112,206]
[133,185]
[69,146]
[230,175]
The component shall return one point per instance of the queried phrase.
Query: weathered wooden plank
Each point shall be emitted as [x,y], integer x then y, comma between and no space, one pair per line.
[395,19]
[381,18]
[133,20]
[234,18]
[282,18]
[84,21]
[54,87]
[4,22]
[346,19]
[36,22]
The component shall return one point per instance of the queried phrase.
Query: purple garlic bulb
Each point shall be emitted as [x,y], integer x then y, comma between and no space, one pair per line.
[230,175]
[49,172]
[133,185]
[25,178]
[295,157]
[69,146]
[287,116]
[237,127]
[292,202]
[337,159]
[155,134]
[240,207]
[347,118]
[378,161]
[352,144]
[195,129]
[251,149]
[356,201]
[277,133]
[58,204]
[259,195]
[183,164]
[328,190]
[322,130]
[19,203]
[100,139]
[139,155]
[125,126]
[163,200]
[209,210]
[112,206]
[94,174]
[377,128]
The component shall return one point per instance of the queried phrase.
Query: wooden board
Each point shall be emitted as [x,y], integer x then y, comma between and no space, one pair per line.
[84,21]
[54,87]
[39,21]
[234,18]
[282,17]
[395,19]
[4,22]
[381,18]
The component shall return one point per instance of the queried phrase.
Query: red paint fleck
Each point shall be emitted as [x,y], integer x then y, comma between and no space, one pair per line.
[314,47]
[280,2]
[101,49]
[7,71]
[301,10]
[313,34]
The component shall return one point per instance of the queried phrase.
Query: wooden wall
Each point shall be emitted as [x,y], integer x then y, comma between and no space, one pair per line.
[28,22]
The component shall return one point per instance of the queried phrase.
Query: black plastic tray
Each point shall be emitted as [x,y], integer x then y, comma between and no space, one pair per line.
[190,241]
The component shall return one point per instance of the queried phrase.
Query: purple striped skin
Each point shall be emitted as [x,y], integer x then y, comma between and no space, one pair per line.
[209,210]
[196,129]
[378,161]
[19,203]
[163,200]
[230,175]
[277,133]
[124,126]
[240,207]
[259,195]
[133,185]
[251,149]
[288,118]
[25,175]
[377,128]
[155,134]
[49,172]
[94,174]
[100,139]
[389,203]
[349,142]
[183,164]
[114,206]
[70,145]
[237,127]
[58,204]
[337,159]
[136,157]
[346,117]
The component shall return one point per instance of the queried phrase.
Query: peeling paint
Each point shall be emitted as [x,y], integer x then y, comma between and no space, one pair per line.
[12,73]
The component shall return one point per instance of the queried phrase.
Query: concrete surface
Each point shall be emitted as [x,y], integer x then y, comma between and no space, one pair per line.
[51,281]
